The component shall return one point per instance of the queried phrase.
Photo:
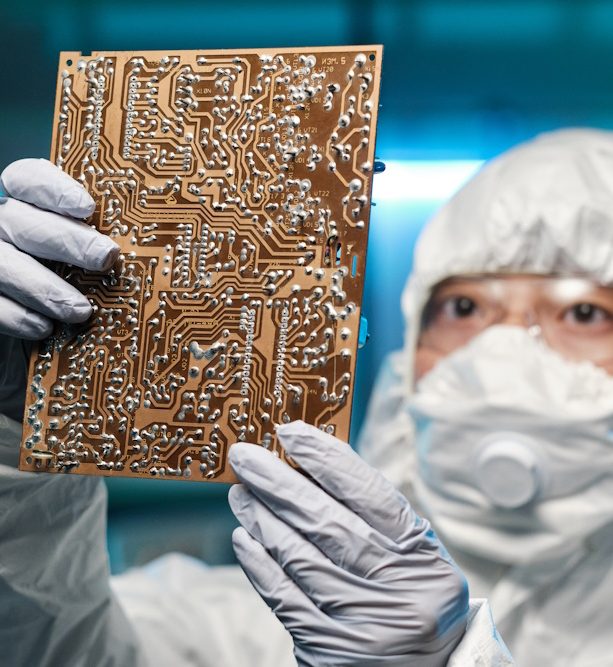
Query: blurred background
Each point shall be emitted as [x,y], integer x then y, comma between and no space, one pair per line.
[462,81]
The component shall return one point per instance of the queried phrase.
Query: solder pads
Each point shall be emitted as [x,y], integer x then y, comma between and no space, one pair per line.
[237,185]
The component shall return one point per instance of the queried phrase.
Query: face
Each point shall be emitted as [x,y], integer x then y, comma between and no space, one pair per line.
[574,316]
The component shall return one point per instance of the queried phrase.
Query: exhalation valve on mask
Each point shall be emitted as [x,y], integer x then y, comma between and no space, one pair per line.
[508,469]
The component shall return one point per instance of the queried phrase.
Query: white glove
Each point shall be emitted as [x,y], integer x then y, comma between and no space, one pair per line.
[352,572]
[33,223]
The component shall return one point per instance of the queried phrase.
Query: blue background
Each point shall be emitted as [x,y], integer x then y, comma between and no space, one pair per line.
[462,81]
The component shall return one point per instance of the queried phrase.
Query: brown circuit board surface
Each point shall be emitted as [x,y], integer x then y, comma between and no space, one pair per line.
[237,184]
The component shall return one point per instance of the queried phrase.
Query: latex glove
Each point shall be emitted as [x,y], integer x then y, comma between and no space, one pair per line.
[352,572]
[34,223]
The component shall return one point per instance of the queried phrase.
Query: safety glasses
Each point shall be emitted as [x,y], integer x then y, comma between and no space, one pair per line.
[574,315]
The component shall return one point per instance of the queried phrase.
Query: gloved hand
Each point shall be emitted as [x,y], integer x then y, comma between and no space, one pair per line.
[352,572]
[34,223]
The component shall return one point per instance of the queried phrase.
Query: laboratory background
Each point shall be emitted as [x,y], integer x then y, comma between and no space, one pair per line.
[462,81]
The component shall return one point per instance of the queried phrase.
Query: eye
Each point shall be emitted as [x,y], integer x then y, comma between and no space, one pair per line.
[586,313]
[458,307]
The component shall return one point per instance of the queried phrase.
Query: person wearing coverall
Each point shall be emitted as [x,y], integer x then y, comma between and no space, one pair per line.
[494,421]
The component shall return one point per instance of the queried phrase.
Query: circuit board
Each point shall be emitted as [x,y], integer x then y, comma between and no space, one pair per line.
[237,185]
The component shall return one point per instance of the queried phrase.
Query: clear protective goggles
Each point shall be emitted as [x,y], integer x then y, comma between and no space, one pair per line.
[573,315]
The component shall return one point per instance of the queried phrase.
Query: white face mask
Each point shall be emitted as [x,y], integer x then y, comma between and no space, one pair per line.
[515,448]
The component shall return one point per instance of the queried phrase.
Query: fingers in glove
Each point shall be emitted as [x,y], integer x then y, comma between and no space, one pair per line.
[324,583]
[349,479]
[39,182]
[36,287]
[17,320]
[339,533]
[52,236]
[291,606]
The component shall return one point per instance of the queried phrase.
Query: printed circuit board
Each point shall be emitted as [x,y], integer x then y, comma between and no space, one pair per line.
[237,185]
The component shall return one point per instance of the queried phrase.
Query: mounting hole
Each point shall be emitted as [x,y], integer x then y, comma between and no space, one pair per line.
[69,62]
[354,266]
[371,57]
[29,460]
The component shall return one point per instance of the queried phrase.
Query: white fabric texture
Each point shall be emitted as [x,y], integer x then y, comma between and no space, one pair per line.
[481,646]
[189,615]
[56,605]
[545,207]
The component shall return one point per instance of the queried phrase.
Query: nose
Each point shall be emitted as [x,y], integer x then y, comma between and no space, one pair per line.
[517,317]
[514,319]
